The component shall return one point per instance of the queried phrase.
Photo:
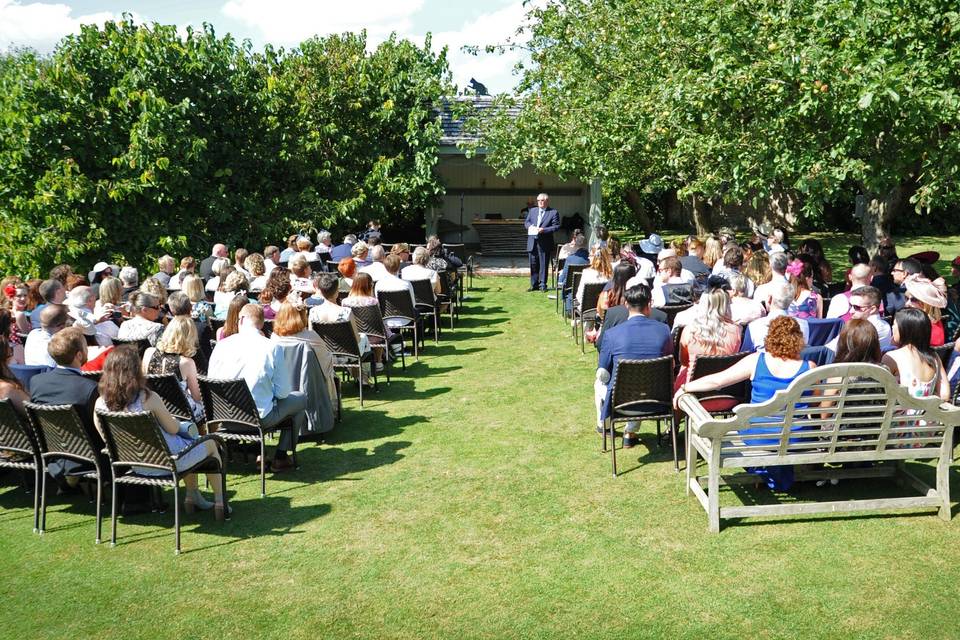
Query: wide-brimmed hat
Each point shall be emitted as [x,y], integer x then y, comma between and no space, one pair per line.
[931,293]
[926,257]
[652,245]
[100,266]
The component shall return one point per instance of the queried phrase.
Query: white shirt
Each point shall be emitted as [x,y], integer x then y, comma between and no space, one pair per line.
[139,328]
[258,361]
[759,327]
[884,333]
[393,283]
[376,270]
[645,269]
[87,320]
[35,351]
[419,272]
[268,266]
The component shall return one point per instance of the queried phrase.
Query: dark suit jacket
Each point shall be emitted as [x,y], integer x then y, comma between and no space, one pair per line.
[551,222]
[618,315]
[639,338]
[64,386]
[206,267]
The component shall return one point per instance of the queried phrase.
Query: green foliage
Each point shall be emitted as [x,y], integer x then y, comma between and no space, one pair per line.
[741,100]
[130,141]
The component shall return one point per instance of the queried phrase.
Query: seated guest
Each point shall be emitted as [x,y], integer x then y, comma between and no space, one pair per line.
[391,282]
[232,323]
[770,370]
[260,363]
[578,256]
[239,260]
[732,264]
[807,303]
[402,251]
[712,253]
[599,272]
[375,268]
[638,338]
[187,267]
[305,248]
[291,327]
[193,287]
[441,259]
[361,294]
[142,324]
[571,246]
[743,310]
[615,294]
[858,255]
[345,249]
[372,231]
[81,305]
[219,252]
[300,273]
[693,262]
[61,272]
[360,253]
[860,276]
[858,342]
[65,385]
[234,286]
[901,270]
[669,273]
[167,268]
[21,310]
[174,354]
[931,298]
[777,269]
[256,269]
[915,364]
[271,258]
[109,300]
[101,271]
[53,318]
[290,249]
[129,280]
[324,245]
[757,268]
[220,269]
[865,305]
[124,388]
[329,310]
[347,268]
[712,333]
[10,387]
[276,292]
[779,298]
[419,269]
[670,252]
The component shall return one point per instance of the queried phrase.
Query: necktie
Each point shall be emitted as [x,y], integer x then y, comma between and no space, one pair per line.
[540,218]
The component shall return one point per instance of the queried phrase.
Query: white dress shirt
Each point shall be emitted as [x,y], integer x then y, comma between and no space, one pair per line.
[376,271]
[393,283]
[420,272]
[35,351]
[258,361]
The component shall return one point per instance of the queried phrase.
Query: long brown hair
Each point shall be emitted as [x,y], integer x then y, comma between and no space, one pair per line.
[232,324]
[122,379]
[362,285]
[858,342]
[6,321]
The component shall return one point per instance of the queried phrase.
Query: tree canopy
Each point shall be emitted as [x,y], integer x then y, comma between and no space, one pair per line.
[129,140]
[739,100]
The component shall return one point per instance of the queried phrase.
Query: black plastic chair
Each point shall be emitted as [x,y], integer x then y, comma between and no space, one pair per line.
[233,415]
[426,304]
[569,286]
[18,438]
[92,375]
[142,345]
[267,327]
[61,434]
[398,307]
[136,439]
[447,298]
[585,311]
[672,310]
[342,343]
[168,388]
[944,351]
[369,320]
[642,390]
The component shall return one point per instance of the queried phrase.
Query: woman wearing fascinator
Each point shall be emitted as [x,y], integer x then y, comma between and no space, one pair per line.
[807,303]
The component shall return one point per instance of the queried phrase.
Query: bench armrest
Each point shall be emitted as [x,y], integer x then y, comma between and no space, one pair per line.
[698,416]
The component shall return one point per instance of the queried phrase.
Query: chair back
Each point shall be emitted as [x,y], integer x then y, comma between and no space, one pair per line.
[25,372]
[171,394]
[721,399]
[457,249]
[15,433]
[228,402]
[215,325]
[91,340]
[267,327]
[142,344]
[135,438]
[672,310]
[445,285]
[369,320]
[823,330]
[92,375]
[944,352]
[591,296]
[423,293]
[642,387]
[339,337]
[675,334]
[61,432]
[573,276]
[396,304]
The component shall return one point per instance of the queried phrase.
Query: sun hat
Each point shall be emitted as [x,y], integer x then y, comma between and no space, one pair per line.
[100,266]
[652,245]
[931,293]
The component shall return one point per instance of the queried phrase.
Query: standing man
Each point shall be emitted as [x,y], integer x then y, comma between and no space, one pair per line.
[541,222]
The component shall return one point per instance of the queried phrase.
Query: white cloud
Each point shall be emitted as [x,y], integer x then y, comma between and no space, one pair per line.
[41,25]
[288,22]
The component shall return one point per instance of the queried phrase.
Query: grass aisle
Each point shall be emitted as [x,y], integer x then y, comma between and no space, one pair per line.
[470,499]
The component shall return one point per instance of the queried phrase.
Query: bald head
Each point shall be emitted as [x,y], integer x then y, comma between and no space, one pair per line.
[53,317]
[219,250]
[860,275]
[251,315]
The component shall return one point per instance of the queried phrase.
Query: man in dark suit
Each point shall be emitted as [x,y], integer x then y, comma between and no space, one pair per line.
[65,385]
[639,338]
[541,222]
[206,265]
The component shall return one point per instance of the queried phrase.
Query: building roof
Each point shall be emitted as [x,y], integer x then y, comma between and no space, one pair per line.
[453,133]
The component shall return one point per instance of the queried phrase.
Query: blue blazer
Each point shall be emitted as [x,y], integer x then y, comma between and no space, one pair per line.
[551,222]
[639,338]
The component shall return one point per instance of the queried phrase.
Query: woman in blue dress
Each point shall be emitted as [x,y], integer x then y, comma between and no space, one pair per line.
[770,369]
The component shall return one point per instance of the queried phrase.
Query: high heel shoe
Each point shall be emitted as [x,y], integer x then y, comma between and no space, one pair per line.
[195,500]
[219,512]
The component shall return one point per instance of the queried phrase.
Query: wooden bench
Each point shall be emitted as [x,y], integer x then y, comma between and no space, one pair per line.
[839,413]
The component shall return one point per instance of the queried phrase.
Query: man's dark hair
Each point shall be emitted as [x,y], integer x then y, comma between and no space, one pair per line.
[870,293]
[49,288]
[909,265]
[61,272]
[879,264]
[638,297]
[733,258]
[328,283]
[858,255]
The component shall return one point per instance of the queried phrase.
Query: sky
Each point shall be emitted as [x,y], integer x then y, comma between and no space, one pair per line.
[453,23]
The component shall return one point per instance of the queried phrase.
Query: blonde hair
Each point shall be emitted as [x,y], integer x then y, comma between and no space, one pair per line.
[602,263]
[713,316]
[289,320]
[193,287]
[298,265]
[180,336]
[712,252]
[758,268]
[254,264]
[110,290]
[154,288]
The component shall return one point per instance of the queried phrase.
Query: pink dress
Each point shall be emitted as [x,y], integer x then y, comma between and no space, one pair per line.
[805,307]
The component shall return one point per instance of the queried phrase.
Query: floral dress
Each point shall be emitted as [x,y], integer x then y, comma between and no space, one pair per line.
[805,306]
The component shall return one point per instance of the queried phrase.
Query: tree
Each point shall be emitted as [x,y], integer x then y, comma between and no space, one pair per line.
[735,100]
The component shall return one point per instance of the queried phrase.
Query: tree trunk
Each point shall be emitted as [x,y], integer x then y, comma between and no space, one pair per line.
[635,202]
[702,216]
[879,211]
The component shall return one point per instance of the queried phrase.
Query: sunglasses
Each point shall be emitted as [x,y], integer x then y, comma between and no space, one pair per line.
[858,307]
[895,269]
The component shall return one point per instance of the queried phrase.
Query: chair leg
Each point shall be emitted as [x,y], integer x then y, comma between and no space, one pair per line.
[36,498]
[113,512]
[691,454]
[360,382]
[659,436]
[613,448]
[99,503]
[416,343]
[604,430]
[436,328]
[43,502]
[583,338]
[263,467]
[673,442]
[176,511]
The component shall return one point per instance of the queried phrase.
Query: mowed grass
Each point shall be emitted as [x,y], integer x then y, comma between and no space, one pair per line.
[470,499]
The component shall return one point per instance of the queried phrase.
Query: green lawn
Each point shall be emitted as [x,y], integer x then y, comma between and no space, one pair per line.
[470,499]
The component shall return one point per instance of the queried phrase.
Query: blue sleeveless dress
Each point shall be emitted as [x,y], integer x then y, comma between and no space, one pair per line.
[765,384]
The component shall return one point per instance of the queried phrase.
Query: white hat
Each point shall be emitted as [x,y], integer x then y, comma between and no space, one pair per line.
[100,266]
